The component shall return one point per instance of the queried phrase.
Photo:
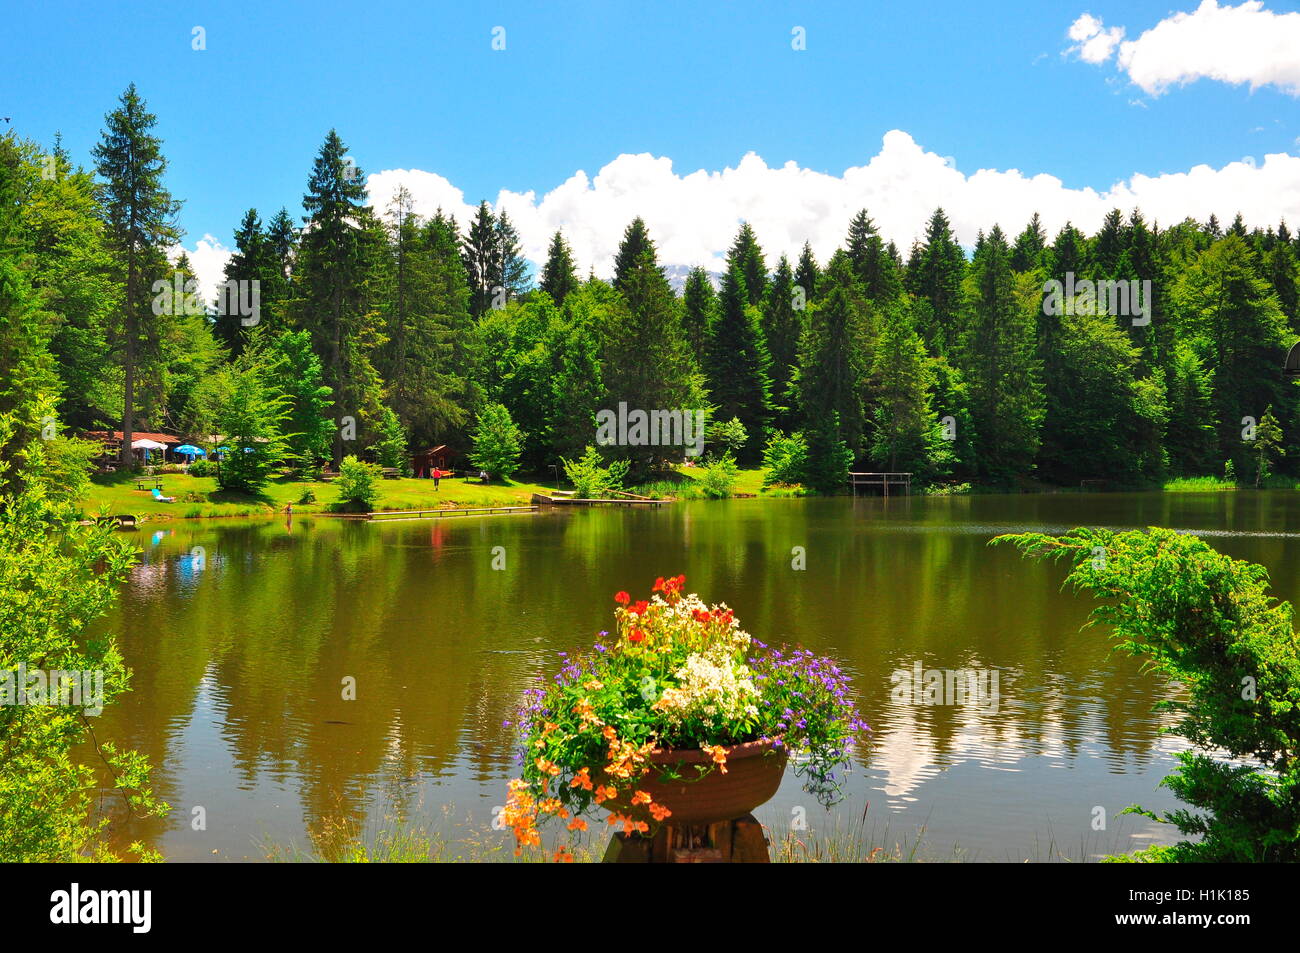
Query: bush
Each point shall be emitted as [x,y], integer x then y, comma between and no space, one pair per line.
[307,496]
[785,459]
[719,479]
[497,442]
[590,480]
[56,579]
[1204,620]
[202,468]
[358,485]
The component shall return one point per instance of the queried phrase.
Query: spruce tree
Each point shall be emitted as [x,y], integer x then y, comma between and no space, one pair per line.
[699,311]
[559,276]
[934,277]
[998,358]
[140,217]
[738,363]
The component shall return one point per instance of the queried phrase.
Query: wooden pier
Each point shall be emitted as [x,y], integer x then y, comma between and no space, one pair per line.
[393,516]
[563,499]
[882,480]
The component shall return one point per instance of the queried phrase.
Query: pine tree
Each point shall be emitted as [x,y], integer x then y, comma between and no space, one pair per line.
[511,271]
[998,359]
[140,217]
[934,277]
[806,273]
[479,255]
[833,365]
[559,276]
[1027,253]
[1108,247]
[336,295]
[699,311]
[902,423]
[738,363]
[783,325]
[636,243]
[745,250]
[872,263]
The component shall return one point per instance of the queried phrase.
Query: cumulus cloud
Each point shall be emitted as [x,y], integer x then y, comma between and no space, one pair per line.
[1246,44]
[1092,42]
[208,260]
[693,217]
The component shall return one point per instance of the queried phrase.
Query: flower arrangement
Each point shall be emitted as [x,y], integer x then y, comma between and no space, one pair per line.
[678,674]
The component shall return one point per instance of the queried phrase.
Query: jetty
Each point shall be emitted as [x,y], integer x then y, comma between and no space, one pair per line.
[882,480]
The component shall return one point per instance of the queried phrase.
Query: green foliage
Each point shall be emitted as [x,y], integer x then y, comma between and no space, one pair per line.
[718,481]
[590,479]
[250,416]
[56,579]
[785,459]
[729,435]
[497,442]
[390,448]
[1206,621]
[358,485]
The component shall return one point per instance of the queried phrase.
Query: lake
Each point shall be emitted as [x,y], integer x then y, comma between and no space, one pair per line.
[242,633]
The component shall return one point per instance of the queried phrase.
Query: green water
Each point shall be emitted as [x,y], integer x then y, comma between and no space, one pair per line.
[241,635]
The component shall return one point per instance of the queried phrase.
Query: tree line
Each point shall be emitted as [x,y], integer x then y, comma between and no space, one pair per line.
[376,331]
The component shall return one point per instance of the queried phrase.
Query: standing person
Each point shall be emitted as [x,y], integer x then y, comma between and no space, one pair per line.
[437,475]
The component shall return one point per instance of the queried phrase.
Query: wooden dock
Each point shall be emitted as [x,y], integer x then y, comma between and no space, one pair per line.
[393,516]
[562,499]
[881,480]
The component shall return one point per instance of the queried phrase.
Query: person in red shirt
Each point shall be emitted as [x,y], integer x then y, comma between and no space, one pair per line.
[437,475]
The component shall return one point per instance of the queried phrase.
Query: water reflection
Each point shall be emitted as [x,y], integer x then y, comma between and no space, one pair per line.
[245,638]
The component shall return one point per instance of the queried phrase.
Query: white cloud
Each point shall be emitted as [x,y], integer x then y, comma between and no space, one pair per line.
[693,217]
[1238,45]
[1092,42]
[208,260]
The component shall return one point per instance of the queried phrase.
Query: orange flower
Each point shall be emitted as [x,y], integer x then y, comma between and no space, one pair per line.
[718,754]
[577,824]
[581,780]
[605,793]
[562,856]
[659,585]
[641,797]
[547,767]
[659,812]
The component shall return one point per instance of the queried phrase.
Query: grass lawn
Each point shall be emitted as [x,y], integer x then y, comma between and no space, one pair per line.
[199,497]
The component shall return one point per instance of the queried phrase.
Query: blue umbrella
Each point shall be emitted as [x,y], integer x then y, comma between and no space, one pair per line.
[189,450]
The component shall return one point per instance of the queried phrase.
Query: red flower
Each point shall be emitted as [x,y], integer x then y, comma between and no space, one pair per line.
[702,615]
[639,608]
[659,585]
[636,635]
[622,598]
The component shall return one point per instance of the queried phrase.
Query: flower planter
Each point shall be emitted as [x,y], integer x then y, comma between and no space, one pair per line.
[754,772]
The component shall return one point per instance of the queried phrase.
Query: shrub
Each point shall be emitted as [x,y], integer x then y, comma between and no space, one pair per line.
[719,479]
[358,485]
[56,579]
[307,496]
[590,480]
[202,468]
[1206,621]
[497,442]
[785,459]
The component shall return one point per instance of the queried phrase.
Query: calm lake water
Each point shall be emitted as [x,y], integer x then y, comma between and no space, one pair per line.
[240,652]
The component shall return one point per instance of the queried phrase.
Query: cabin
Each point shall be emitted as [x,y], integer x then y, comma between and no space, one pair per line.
[443,457]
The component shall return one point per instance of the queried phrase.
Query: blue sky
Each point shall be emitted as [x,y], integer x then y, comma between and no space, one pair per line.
[417,85]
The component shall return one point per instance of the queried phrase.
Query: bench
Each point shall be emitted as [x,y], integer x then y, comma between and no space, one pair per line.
[141,481]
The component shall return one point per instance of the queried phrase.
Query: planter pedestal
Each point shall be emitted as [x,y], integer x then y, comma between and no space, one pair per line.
[738,841]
